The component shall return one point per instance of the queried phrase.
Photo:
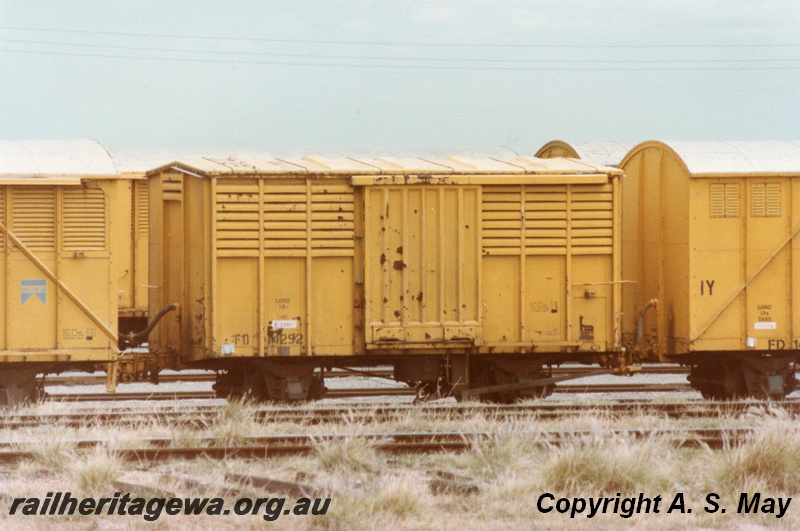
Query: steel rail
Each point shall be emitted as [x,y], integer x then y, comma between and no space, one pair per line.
[203,416]
[159,449]
[357,392]
[95,379]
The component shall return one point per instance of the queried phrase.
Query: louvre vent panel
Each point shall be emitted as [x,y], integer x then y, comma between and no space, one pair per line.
[84,219]
[237,217]
[732,200]
[773,200]
[724,200]
[172,187]
[717,193]
[332,217]
[502,216]
[33,217]
[592,217]
[285,218]
[142,210]
[547,219]
[765,200]
[758,201]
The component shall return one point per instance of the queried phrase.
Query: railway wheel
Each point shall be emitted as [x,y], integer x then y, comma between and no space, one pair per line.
[269,383]
[503,382]
[18,387]
[719,381]
[744,375]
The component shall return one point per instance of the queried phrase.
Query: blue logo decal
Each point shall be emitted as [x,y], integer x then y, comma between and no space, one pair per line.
[34,288]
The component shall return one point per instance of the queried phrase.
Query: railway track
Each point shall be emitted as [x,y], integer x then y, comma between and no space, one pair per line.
[203,416]
[356,392]
[269,446]
[100,379]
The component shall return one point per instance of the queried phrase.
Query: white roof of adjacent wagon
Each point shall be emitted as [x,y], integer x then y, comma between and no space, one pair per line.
[606,152]
[80,157]
[55,157]
[83,157]
[729,158]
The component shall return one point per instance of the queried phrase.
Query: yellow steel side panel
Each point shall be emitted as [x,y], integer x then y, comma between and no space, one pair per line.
[141,244]
[301,231]
[156,276]
[592,314]
[562,238]
[285,292]
[75,329]
[237,293]
[68,231]
[793,219]
[333,301]
[656,184]
[751,298]
[422,264]
[31,324]
[676,216]
[3,297]
[768,294]
[633,289]
[171,287]
[123,204]
[501,285]
[718,259]
[196,250]
[545,308]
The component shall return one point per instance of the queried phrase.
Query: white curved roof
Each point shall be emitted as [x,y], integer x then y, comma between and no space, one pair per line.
[55,157]
[79,157]
[605,152]
[608,153]
[740,157]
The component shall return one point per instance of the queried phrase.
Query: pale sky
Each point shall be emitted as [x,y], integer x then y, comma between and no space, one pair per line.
[465,73]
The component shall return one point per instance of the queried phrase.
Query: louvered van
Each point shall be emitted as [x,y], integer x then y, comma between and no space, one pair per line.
[466,275]
[711,249]
[63,211]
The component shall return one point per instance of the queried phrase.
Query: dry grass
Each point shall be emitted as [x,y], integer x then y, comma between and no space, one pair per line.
[92,472]
[608,465]
[511,468]
[348,455]
[769,458]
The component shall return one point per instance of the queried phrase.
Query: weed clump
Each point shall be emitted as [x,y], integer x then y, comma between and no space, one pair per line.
[94,471]
[503,452]
[608,466]
[352,454]
[769,457]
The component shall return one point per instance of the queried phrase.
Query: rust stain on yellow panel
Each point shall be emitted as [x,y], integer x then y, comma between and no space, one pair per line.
[422,264]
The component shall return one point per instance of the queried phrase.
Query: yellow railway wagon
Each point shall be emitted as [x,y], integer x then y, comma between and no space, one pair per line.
[464,274]
[62,207]
[710,243]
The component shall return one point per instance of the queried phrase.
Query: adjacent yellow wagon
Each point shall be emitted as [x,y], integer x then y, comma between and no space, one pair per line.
[710,240]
